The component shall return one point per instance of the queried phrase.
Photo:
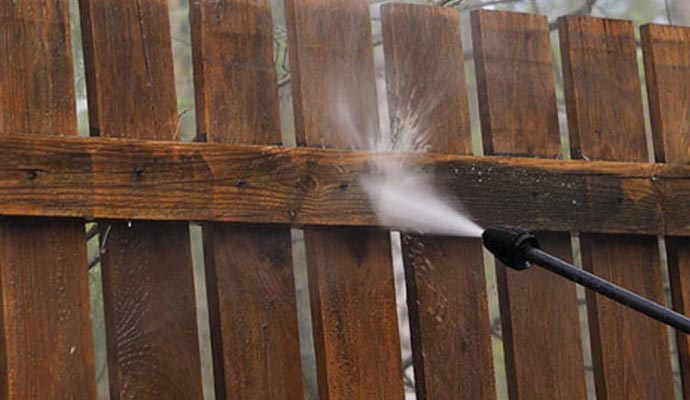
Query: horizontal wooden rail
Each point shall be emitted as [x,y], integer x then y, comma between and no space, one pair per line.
[134,179]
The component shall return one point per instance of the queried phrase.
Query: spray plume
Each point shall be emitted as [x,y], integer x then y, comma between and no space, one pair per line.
[403,196]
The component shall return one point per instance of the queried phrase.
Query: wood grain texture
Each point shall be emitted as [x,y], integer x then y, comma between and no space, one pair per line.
[542,345]
[46,344]
[630,352]
[667,69]
[667,59]
[425,76]
[515,80]
[446,297]
[449,321]
[132,179]
[543,350]
[129,39]
[678,253]
[235,79]
[249,268]
[148,288]
[350,270]
[596,53]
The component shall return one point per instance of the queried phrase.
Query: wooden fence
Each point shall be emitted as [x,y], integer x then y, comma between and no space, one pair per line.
[247,192]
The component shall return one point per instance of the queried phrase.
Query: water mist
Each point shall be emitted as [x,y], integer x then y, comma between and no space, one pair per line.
[403,196]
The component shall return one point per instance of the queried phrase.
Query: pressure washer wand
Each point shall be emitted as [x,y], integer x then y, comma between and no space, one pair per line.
[519,249]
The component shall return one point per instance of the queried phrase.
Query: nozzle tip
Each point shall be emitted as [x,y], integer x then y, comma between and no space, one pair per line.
[508,245]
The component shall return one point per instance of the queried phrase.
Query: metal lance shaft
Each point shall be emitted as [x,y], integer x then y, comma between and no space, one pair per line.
[519,249]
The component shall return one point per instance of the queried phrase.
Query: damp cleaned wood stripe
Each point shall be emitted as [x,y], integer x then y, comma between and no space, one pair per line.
[350,270]
[446,296]
[43,276]
[249,274]
[148,290]
[667,69]
[131,179]
[605,119]
[543,350]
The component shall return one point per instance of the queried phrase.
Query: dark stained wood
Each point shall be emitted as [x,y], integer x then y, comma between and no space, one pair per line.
[605,121]
[249,268]
[426,76]
[129,39]
[630,352]
[515,81]
[447,303]
[46,344]
[131,179]
[667,69]
[667,62]
[235,78]
[354,331]
[539,310]
[350,270]
[150,340]
[678,253]
[259,335]
[148,289]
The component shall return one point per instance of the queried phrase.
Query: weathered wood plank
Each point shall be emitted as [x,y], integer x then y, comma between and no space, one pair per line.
[667,69]
[46,344]
[139,180]
[604,103]
[513,63]
[543,350]
[148,290]
[350,270]
[250,280]
[447,303]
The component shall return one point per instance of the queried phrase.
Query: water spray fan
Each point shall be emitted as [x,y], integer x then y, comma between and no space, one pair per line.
[519,250]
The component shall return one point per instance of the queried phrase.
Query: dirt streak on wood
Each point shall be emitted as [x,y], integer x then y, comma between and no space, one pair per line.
[124,179]
[542,344]
[249,273]
[603,97]
[350,270]
[46,344]
[446,297]
[148,290]
[667,69]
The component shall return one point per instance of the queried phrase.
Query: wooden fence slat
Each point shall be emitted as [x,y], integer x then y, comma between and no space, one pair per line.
[249,268]
[350,270]
[543,350]
[447,302]
[150,308]
[46,343]
[94,178]
[604,103]
[667,69]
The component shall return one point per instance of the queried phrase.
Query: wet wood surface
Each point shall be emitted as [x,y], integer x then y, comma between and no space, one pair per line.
[351,280]
[46,344]
[148,289]
[539,310]
[446,290]
[630,352]
[250,281]
[124,179]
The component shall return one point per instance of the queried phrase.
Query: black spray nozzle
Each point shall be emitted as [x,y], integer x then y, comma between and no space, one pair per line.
[518,249]
[508,244]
